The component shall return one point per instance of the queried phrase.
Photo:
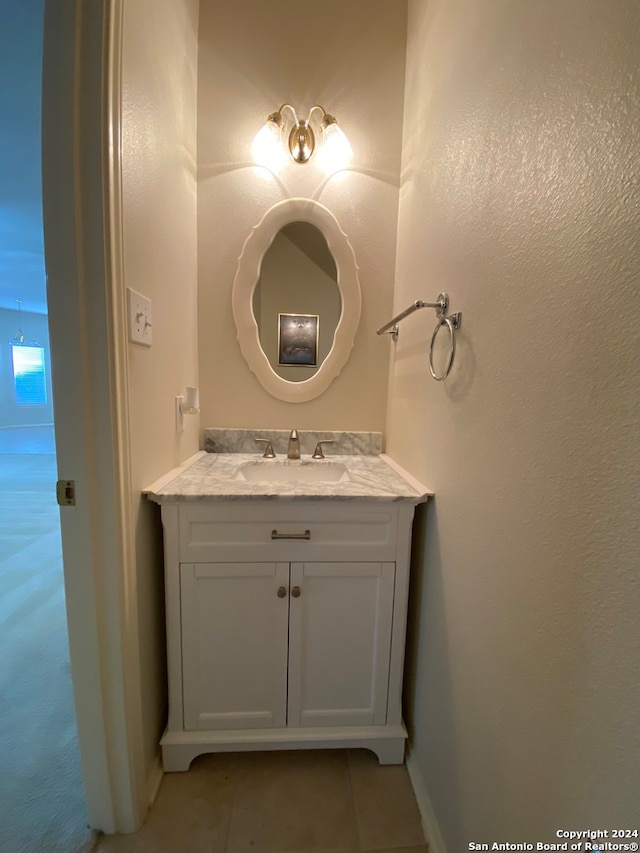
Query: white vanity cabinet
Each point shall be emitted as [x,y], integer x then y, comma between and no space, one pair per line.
[267,645]
[285,625]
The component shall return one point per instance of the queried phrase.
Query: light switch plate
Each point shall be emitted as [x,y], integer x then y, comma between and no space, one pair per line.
[140,323]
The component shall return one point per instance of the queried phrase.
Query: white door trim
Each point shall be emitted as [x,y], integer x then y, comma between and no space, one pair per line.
[82,223]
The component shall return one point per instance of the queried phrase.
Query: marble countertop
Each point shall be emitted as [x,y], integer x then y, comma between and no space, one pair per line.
[212,476]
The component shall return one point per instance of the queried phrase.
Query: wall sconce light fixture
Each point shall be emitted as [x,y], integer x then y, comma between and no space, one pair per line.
[18,338]
[268,145]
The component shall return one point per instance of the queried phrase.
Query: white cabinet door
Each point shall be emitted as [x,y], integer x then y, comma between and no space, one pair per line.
[339,643]
[234,644]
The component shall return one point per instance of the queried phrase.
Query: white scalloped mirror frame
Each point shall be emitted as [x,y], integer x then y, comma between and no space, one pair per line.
[246,279]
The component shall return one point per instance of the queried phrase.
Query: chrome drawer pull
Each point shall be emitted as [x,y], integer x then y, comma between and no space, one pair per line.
[305,535]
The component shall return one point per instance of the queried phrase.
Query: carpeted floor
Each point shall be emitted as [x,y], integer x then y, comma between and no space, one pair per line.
[42,806]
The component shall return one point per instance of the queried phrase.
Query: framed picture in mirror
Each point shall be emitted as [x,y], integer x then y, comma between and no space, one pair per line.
[298,339]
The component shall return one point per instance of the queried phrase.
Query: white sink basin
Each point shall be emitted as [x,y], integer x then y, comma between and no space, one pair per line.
[291,471]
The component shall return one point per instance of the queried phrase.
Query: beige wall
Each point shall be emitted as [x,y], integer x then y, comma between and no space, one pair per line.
[350,58]
[159,200]
[520,195]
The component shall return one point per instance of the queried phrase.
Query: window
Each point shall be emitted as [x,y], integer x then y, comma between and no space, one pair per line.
[28,375]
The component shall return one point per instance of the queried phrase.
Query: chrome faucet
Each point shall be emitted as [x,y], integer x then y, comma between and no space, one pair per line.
[294,445]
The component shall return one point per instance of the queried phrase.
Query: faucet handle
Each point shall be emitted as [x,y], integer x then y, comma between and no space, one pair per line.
[268,451]
[317,453]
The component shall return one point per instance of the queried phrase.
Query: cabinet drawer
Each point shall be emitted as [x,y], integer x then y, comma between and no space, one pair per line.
[233,531]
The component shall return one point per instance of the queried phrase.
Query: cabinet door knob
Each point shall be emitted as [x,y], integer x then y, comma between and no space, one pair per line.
[296,592]
[282,591]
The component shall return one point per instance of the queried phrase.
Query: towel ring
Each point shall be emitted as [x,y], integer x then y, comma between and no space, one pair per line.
[451,323]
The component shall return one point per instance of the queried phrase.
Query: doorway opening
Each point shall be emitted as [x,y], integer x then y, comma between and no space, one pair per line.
[41,790]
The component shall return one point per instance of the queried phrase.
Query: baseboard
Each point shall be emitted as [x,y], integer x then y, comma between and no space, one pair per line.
[430,825]
[154,779]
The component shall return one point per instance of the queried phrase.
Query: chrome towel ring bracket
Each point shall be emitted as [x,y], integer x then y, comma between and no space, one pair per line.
[452,322]
[441,306]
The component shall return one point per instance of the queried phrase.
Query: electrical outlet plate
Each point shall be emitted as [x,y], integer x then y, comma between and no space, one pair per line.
[140,323]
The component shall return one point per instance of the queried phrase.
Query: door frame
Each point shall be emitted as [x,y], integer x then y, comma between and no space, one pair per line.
[82,214]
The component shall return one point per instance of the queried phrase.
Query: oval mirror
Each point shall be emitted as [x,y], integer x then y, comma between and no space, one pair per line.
[298,274]
[296,300]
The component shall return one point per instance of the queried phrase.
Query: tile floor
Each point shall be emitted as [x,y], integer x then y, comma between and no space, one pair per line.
[317,801]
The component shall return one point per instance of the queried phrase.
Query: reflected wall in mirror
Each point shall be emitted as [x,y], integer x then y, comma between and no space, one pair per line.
[296,261]
[298,282]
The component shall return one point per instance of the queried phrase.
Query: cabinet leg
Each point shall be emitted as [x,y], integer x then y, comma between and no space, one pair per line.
[177,759]
[390,751]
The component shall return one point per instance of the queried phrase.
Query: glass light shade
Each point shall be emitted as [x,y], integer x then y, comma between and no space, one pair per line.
[336,152]
[267,148]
